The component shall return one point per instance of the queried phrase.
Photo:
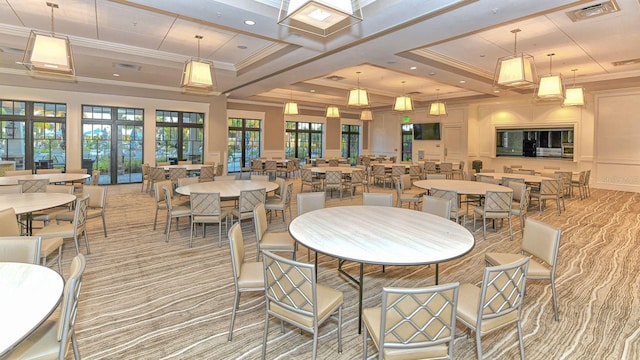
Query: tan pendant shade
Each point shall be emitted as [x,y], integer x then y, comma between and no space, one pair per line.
[366,115]
[551,87]
[575,95]
[517,70]
[333,111]
[197,73]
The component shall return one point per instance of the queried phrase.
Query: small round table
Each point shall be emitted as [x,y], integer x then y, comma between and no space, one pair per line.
[53,178]
[227,189]
[30,293]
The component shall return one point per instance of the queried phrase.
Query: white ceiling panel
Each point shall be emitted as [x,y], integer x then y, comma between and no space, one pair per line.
[72,17]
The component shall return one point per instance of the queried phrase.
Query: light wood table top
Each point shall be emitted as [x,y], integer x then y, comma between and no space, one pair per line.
[227,189]
[463,187]
[527,178]
[342,169]
[30,293]
[53,178]
[188,167]
[382,235]
[29,202]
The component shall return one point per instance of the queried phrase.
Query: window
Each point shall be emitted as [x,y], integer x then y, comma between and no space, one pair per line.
[13,132]
[303,140]
[243,143]
[112,142]
[407,141]
[179,136]
[350,146]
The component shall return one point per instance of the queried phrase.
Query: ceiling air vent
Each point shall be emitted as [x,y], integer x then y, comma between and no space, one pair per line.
[414,93]
[126,66]
[626,62]
[335,78]
[593,11]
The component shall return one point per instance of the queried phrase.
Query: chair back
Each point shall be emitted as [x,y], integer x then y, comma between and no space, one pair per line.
[156,174]
[80,215]
[225,178]
[158,193]
[436,176]
[95,177]
[378,170]
[250,198]
[290,285]
[357,176]
[188,181]
[270,166]
[22,249]
[429,167]
[259,177]
[550,187]
[405,182]
[446,167]
[281,182]
[450,195]
[377,199]
[236,246]
[333,162]
[333,178]
[306,175]
[205,204]
[542,241]
[11,189]
[256,165]
[207,173]
[177,173]
[286,199]
[167,197]
[416,318]
[310,201]
[488,179]
[97,196]
[34,186]
[518,189]
[502,291]
[436,206]
[69,307]
[415,170]
[260,221]
[507,180]
[48,171]
[9,225]
[507,169]
[17,172]
[219,169]
[397,170]
[498,201]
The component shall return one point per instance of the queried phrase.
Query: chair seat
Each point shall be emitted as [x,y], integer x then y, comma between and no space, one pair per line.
[329,300]
[180,211]
[41,344]
[55,230]
[277,241]
[251,276]
[372,318]
[491,214]
[273,201]
[536,269]
[241,215]
[49,245]
[211,219]
[414,192]
[467,310]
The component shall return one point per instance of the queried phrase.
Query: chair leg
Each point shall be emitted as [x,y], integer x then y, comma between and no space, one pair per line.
[520,339]
[104,226]
[478,345]
[264,337]
[233,314]
[555,302]
[86,241]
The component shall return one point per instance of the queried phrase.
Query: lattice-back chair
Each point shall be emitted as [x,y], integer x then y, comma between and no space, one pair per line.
[380,174]
[308,179]
[70,230]
[207,173]
[271,167]
[78,184]
[156,174]
[256,166]
[497,205]
[175,174]
[173,211]
[206,209]
[247,276]
[282,203]
[397,171]
[34,185]
[280,241]
[542,241]
[447,169]
[293,296]
[356,179]
[219,169]
[497,303]
[287,169]
[247,202]
[565,180]
[51,339]
[413,323]
[429,168]
[145,176]
[415,172]
[456,211]
[521,194]
[549,190]
[333,180]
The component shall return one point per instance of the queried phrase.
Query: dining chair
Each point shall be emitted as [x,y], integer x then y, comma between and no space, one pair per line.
[377,199]
[175,174]
[436,206]
[173,212]
[247,202]
[404,192]
[17,172]
[436,177]
[497,205]
[51,339]
[187,181]
[452,196]
[283,203]
[96,209]
[95,178]
[413,323]
[521,194]
[48,171]
[333,180]
[225,178]
[206,209]
[566,180]
[488,179]
[429,167]
[145,176]
[543,242]
[496,303]
[247,276]
[447,169]
[396,172]
[78,184]
[156,175]
[587,178]
[271,167]
[158,195]
[270,240]
[580,184]
[356,179]
[307,179]
[11,189]
[293,296]
[380,174]
[49,214]
[256,166]
[34,185]
[259,177]
[458,171]
[306,202]
[71,230]
[549,190]
[507,180]
[22,249]
[333,163]
[207,173]
[287,169]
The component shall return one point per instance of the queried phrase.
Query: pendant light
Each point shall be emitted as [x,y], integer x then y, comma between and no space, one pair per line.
[437,108]
[366,115]
[404,102]
[333,111]
[197,73]
[358,97]
[575,95]
[517,70]
[291,107]
[49,54]
[551,87]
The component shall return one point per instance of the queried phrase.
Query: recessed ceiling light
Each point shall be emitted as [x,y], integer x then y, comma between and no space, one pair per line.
[312,90]
[496,91]
[432,73]
[116,75]
[249,22]
[413,67]
[242,47]
[462,82]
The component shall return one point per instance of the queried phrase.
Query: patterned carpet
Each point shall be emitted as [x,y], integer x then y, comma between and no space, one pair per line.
[144,298]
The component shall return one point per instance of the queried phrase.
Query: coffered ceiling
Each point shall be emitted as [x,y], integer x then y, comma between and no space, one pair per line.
[447,47]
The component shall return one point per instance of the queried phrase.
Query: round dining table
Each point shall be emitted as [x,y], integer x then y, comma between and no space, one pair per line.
[381,235]
[462,187]
[343,169]
[228,189]
[531,179]
[27,203]
[53,178]
[30,293]
[188,167]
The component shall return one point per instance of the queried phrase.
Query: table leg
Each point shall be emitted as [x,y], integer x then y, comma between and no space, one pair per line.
[359,283]
[436,274]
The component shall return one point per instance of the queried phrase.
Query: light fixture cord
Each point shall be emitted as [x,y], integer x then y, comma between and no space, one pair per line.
[52,29]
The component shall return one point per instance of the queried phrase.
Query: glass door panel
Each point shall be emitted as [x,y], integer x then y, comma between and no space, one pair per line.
[129,161]
[96,149]
[234,150]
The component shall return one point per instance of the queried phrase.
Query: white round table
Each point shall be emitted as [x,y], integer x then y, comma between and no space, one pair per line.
[26,203]
[53,178]
[463,187]
[381,235]
[227,189]
[532,179]
[342,169]
[30,293]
